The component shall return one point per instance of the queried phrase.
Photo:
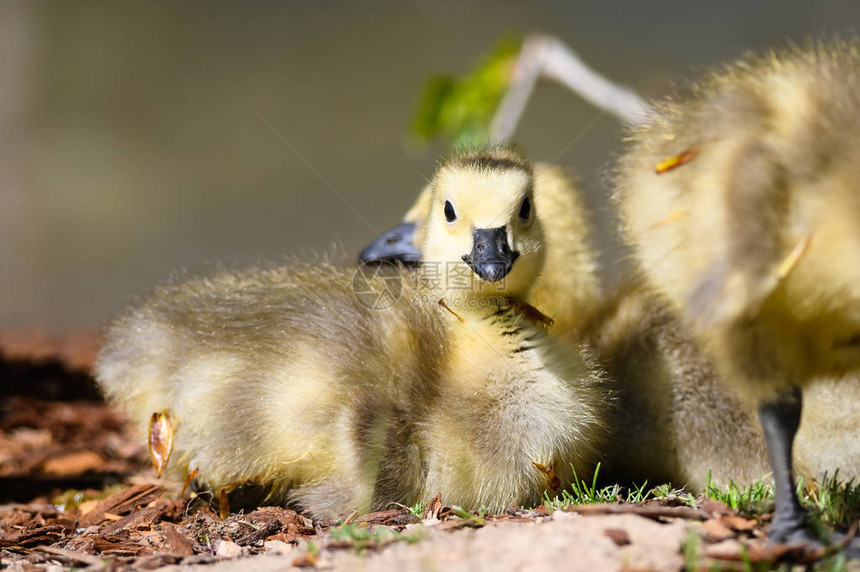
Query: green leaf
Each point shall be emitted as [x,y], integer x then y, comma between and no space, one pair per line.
[462,109]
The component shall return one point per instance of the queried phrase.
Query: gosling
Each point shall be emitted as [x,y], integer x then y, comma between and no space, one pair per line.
[569,287]
[740,206]
[285,379]
[677,422]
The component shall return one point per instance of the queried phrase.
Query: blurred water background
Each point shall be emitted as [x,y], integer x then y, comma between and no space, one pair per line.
[134,138]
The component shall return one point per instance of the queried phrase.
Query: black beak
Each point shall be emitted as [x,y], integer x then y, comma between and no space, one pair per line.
[491,258]
[394,245]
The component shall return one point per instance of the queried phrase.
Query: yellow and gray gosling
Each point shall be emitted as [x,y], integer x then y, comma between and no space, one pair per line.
[675,422]
[678,422]
[285,379]
[741,206]
[568,288]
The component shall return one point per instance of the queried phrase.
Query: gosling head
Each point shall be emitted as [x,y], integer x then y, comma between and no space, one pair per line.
[481,231]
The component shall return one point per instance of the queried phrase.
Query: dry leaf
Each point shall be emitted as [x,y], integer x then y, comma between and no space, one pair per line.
[160,440]
[532,314]
[553,483]
[676,161]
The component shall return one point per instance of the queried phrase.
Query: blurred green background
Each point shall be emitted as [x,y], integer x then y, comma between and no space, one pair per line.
[132,145]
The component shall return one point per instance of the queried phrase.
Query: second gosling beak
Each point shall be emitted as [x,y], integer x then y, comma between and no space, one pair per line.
[395,245]
[491,257]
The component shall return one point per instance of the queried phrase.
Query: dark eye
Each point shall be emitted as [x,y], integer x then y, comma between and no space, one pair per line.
[525,209]
[450,215]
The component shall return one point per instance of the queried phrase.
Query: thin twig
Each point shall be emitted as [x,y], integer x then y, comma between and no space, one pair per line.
[71,555]
[549,57]
[649,511]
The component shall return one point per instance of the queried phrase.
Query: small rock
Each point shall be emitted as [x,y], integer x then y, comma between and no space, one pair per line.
[227,549]
[277,547]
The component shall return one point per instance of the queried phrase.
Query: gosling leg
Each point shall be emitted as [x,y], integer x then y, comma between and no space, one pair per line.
[780,420]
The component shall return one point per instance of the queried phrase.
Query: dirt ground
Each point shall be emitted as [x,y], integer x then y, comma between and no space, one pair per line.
[77,491]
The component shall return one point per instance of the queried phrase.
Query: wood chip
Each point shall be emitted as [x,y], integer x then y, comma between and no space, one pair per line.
[142,519]
[433,508]
[455,524]
[177,540]
[39,536]
[71,555]
[715,531]
[715,508]
[122,503]
[87,506]
[618,535]
[739,523]
[117,545]
[73,463]
[381,517]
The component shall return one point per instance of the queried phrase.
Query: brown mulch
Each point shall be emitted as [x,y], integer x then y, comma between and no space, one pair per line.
[77,489]
[56,433]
